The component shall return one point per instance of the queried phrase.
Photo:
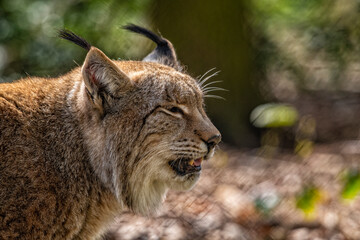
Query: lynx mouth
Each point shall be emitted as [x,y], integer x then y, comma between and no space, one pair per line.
[185,166]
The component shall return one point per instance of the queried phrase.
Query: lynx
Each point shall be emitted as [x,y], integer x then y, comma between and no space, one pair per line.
[112,135]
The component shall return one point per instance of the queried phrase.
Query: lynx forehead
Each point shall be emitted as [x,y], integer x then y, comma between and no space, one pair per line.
[78,149]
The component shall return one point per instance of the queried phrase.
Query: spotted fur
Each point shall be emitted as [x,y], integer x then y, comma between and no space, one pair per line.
[78,149]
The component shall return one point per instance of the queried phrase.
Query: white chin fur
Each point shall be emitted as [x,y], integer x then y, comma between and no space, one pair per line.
[149,190]
[184,183]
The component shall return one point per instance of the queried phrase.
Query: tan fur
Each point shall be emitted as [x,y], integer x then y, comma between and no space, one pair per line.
[78,149]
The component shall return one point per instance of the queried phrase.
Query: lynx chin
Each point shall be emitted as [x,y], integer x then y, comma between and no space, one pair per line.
[112,135]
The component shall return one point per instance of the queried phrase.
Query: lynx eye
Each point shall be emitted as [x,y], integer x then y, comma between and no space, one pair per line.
[176,110]
[173,110]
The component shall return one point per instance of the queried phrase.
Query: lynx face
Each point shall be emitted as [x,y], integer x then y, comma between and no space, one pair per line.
[147,131]
[170,135]
[177,135]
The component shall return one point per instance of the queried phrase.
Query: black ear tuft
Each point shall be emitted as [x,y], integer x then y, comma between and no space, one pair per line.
[147,33]
[164,53]
[72,37]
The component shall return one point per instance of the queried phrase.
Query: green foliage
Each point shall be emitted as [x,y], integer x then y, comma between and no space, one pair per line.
[308,199]
[311,196]
[28,43]
[274,115]
[352,184]
[291,12]
[315,40]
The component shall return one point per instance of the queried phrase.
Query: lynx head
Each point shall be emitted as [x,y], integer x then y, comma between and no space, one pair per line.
[146,129]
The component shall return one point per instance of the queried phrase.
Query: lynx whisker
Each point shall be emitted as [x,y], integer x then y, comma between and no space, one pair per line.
[203,81]
[212,89]
[202,76]
[214,96]
[210,83]
[208,77]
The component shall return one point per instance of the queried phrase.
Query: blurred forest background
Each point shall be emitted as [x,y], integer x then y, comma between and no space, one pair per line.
[292,71]
[305,53]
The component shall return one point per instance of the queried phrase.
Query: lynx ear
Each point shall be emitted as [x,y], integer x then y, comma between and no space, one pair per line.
[102,78]
[164,53]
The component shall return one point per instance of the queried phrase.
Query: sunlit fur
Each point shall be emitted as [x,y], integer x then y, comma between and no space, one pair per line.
[81,148]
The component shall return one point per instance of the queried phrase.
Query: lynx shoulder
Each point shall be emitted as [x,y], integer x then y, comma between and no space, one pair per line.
[111,135]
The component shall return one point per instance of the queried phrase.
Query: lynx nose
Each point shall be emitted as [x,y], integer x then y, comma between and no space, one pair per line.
[213,141]
[208,133]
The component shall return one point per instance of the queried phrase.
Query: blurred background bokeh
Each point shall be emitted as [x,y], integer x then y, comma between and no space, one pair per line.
[305,53]
[291,69]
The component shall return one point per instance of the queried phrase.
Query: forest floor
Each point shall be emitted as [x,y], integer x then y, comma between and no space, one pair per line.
[242,195]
